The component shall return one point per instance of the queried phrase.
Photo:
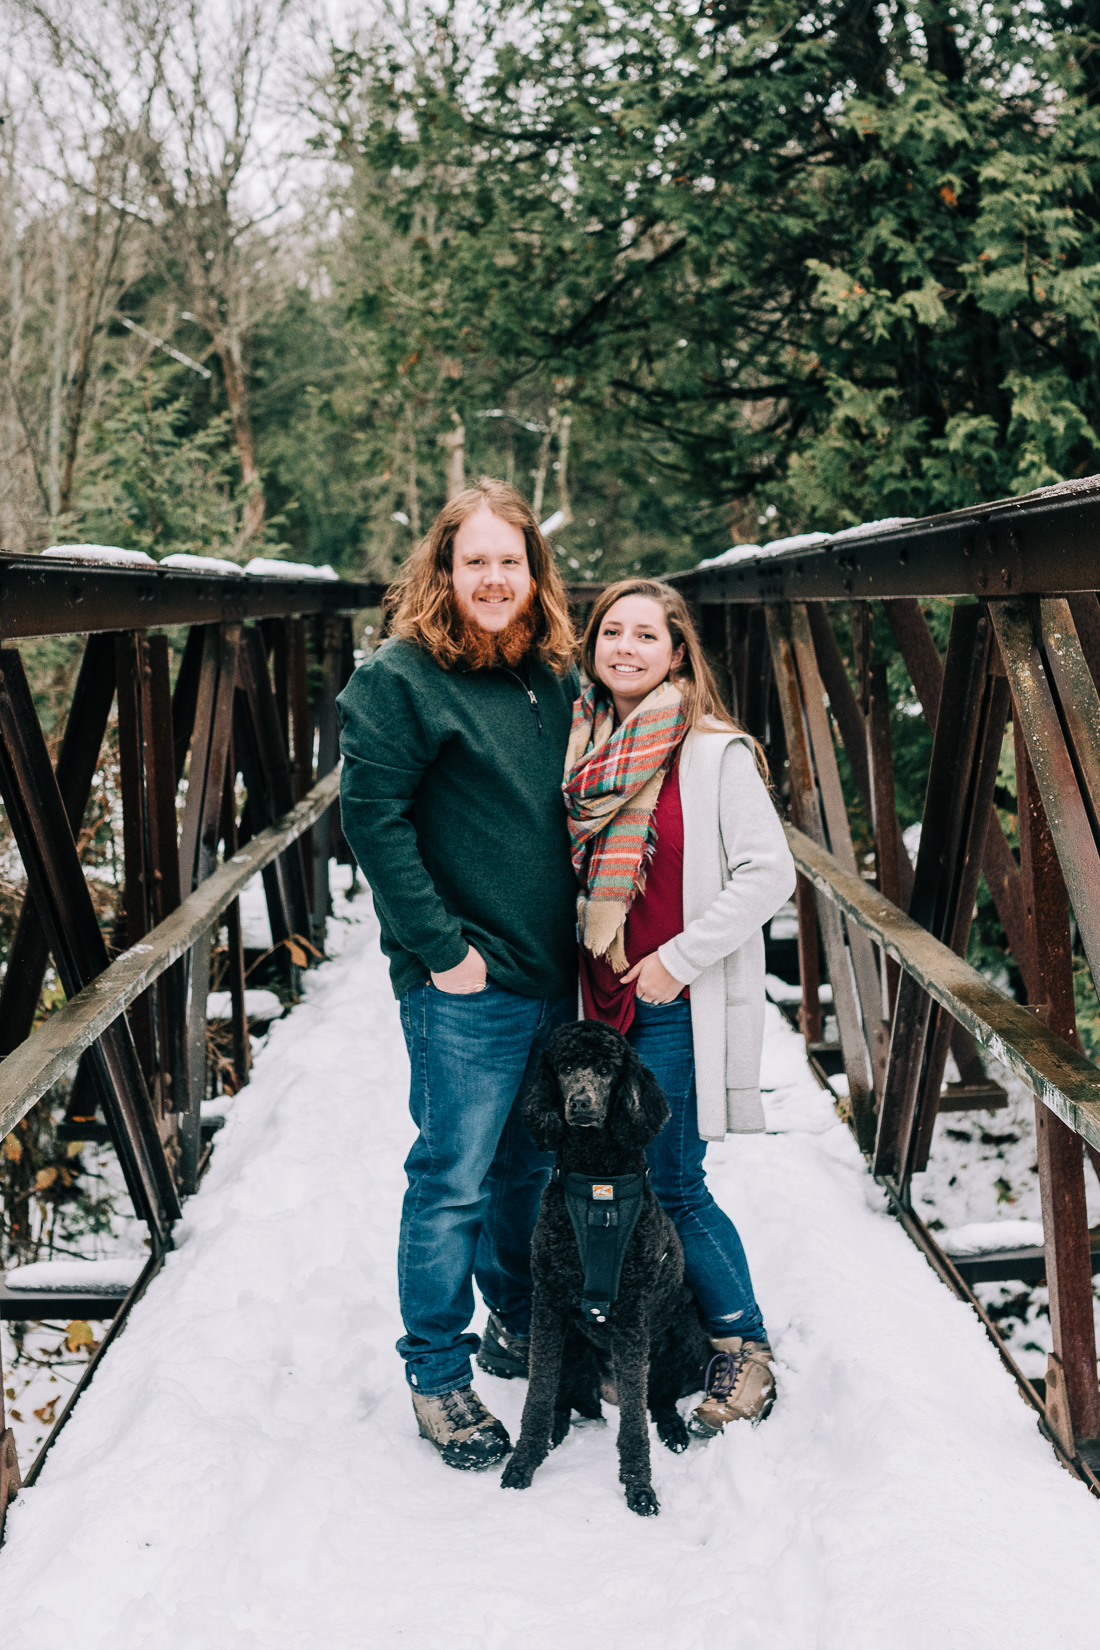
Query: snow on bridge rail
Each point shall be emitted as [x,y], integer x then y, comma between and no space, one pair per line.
[244,1472]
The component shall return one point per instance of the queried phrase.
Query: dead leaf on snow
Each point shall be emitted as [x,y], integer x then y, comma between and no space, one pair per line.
[80,1334]
[44,1178]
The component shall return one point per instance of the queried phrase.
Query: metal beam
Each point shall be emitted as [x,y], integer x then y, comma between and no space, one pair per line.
[806,809]
[55,878]
[1042,544]
[56,598]
[1063,1079]
[39,1062]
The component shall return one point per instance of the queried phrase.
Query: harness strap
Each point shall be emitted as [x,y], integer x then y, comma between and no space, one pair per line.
[603,1214]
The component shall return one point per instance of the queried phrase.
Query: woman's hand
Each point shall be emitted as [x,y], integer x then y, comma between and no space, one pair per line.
[654,982]
[470,975]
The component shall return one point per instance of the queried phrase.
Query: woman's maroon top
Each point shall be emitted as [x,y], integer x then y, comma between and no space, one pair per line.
[656,915]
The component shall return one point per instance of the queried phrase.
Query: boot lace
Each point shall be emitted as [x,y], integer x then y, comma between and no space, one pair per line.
[464,1409]
[722,1375]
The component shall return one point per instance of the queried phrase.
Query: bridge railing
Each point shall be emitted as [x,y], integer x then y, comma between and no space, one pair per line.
[1024,647]
[250,725]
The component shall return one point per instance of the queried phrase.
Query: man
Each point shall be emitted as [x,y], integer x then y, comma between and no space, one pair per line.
[454,736]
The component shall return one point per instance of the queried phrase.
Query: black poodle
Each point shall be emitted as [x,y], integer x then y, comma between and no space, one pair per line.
[597,1106]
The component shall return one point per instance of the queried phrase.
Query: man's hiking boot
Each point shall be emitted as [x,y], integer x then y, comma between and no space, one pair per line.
[740,1386]
[501,1352]
[461,1428]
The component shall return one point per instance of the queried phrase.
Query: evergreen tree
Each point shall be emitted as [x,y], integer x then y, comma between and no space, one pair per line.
[842,261]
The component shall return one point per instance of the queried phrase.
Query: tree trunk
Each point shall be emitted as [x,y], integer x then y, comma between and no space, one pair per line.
[57,383]
[455,444]
[236,391]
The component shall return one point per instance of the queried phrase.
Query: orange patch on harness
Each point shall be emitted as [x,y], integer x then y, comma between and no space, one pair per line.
[605,1194]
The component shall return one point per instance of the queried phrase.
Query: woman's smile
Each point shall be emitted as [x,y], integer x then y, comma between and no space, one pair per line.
[634,652]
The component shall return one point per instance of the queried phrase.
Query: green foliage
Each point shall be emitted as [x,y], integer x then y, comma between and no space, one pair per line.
[151,483]
[844,261]
[1088,1008]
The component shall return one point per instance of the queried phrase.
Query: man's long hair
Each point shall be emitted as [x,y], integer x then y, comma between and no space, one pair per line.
[420,601]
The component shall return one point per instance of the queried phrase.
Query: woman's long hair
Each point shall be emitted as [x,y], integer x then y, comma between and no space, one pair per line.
[700,697]
[420,599]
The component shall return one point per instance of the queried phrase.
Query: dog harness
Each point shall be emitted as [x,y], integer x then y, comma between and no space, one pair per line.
[604,1214]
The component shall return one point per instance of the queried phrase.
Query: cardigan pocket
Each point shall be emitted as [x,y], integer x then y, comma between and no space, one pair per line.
[742,1053]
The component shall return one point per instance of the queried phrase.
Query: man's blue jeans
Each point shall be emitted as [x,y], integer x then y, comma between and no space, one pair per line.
[475,1174]
[714,1260]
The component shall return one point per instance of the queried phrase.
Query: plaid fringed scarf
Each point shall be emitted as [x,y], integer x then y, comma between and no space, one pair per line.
[612,782]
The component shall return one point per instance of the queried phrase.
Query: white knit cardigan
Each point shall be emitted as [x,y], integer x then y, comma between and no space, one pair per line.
[738,871]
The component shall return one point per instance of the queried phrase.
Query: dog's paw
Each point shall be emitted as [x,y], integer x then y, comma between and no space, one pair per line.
[673,1432]
[560,1427]
[641,1499]
[516,1475]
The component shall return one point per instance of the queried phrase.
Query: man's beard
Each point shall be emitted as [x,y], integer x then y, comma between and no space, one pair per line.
[483,648]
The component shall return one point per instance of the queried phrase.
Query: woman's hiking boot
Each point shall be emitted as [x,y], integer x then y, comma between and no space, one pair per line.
[461,1428]
[740,1385]
[501,1352]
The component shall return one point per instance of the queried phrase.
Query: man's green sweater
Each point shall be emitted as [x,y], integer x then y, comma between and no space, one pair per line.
[451,802]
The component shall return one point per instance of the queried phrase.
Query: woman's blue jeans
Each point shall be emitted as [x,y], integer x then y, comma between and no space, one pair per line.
[714,1260]
[475,1174]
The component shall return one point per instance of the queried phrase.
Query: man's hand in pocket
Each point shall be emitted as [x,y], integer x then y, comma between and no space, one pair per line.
[470,975]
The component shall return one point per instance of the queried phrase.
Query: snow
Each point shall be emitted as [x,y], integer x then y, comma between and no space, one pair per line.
[983,1235]
[864,529]
[202,564]
[263,568]
[258,1005]
[782,991]
[244,1472]
[910,841]
[107,555]
[107,1276]
[805,541]
[735,553]
[255,922]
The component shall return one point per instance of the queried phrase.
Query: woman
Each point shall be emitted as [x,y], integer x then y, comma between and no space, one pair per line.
[681,859]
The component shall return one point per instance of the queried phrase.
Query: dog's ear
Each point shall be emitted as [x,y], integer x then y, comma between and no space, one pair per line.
[639,1110]
[543,1110]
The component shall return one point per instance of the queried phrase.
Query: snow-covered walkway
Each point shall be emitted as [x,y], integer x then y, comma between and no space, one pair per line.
[244,1473]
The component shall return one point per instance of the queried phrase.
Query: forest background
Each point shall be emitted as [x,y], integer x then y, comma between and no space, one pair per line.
[273,280]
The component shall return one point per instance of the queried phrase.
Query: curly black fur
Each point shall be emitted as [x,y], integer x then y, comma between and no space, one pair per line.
[597,1106]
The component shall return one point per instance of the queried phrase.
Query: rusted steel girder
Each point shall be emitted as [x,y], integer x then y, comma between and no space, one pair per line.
[56,879]
[37,1064]
[151,860]
[957,802]
[807,816]
[265,766]
[1061,742]
[890,853]
[925,667]
[864,962]
[1064,1079]
[76,764]
[41,597]
[199,836]
[235,974]
[1044,543]
[1073,1401]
